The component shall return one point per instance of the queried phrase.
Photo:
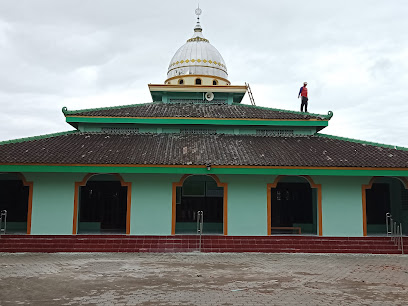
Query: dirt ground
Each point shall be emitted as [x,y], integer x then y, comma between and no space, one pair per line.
[202,279]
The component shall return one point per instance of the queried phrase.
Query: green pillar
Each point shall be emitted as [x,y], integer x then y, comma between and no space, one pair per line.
[247,205]
[151,208]
[342,210]
[53,202]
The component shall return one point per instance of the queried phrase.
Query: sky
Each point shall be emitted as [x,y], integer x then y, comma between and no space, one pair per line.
[88,54]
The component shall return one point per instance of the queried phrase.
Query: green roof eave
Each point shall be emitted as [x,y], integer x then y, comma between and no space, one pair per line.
[377,144]
[37,137]
[204,121]
[202,169]
[320,116]
[67,112]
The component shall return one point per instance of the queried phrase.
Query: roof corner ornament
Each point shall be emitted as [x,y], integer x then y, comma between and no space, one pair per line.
[64,110]
[198,12]
[329,114]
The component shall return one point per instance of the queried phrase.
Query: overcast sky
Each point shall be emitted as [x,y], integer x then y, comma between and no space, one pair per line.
[88,54]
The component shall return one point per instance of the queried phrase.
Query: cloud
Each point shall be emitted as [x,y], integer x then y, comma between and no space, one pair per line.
[83,54]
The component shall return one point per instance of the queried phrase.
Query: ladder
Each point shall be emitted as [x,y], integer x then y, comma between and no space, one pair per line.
[251,97]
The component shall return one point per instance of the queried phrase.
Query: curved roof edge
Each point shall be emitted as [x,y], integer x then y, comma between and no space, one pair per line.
[44,136]
[363,142]
[328,116]
[66,112]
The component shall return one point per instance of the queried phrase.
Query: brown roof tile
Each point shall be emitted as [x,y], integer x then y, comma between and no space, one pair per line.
[194,110]
[176,149]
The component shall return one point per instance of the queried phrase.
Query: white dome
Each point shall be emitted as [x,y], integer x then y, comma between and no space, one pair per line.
[198,57]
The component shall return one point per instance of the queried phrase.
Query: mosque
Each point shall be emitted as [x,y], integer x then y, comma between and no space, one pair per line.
[196,151]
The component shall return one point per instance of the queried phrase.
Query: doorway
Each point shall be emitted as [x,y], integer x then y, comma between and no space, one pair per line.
[293,207]
[385,195]
[102,206]
[199,193]
[14,198]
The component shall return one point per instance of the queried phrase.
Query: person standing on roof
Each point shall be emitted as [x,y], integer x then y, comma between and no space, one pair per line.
[303,94]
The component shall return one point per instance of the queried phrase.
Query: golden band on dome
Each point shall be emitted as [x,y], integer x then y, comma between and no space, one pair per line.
[198,39]
[199,61]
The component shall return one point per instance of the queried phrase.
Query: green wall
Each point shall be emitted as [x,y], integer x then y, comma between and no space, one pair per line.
[342,205]
[151,211]
[53,202]
[166,128]
[247,207]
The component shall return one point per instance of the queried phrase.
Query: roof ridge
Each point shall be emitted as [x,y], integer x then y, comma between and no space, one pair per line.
[37,137]
[69,112]
[364,142]
[328,116]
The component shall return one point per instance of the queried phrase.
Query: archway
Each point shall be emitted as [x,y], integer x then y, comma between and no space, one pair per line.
[16,198]
[294,206]
[195,193]
[102,205]
[384,195]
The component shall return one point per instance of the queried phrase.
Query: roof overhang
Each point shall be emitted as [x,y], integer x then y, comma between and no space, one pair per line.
[203,169]
[74,120]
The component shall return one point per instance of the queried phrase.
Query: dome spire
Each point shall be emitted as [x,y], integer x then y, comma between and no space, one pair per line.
[198,12]
[197,60]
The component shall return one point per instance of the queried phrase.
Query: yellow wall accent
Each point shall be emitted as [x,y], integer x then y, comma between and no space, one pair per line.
[190,80]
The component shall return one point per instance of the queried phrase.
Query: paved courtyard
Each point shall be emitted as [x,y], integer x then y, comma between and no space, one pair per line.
[202,279]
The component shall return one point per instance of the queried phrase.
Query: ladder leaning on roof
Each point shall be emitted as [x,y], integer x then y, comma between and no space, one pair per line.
[251,97]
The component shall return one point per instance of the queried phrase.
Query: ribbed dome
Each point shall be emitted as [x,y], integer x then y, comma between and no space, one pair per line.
[197,56]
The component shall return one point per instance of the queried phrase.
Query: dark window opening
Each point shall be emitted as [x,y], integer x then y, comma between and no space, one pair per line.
[198,81]
[215,82]
[181,82]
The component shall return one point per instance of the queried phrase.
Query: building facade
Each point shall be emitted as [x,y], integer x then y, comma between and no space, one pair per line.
[148,169]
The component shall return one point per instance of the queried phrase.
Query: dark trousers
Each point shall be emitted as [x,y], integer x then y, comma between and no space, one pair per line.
[304,103]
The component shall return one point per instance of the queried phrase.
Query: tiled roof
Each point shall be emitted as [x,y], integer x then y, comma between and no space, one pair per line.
[195,110]
[176,149]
